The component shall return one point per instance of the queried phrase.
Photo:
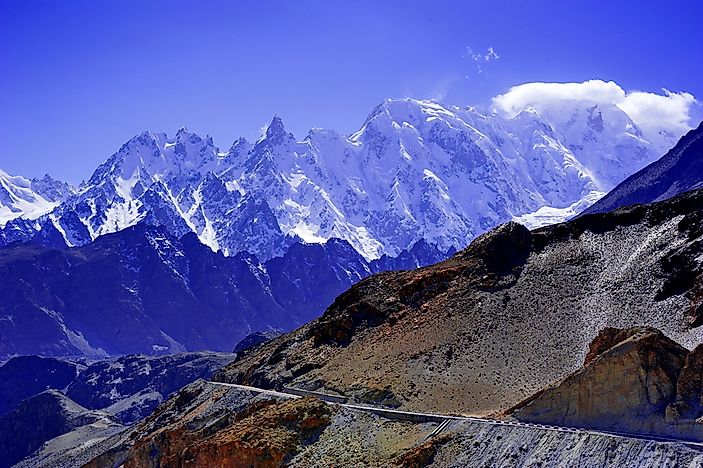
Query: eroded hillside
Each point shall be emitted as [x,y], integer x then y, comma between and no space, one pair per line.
[500,320]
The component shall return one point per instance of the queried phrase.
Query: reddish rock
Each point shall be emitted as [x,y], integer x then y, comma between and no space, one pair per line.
[423,454]
[626,384]
[265,434]
[606,339]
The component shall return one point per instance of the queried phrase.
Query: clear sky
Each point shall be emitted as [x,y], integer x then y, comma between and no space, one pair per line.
[79,78]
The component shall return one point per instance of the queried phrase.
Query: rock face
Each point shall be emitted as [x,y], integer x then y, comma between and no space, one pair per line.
[678,171]
[144,291]
[41,418]
[24,376]
[264,434]
[500,320]
[689,390]
[207,426]
[627,381]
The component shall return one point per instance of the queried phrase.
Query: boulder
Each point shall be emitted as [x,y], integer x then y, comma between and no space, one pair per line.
[628,380]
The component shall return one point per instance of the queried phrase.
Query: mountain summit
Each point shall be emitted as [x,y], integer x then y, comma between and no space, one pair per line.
[415,170]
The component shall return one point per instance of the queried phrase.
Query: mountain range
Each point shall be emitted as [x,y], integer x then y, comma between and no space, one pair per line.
[265,235]
[578,344]
[141,290]
[593,324]
[415,170]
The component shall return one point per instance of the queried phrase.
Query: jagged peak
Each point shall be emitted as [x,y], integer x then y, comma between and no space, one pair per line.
[406,110]
[275,127]
[240,146]
[46,177]
[275,132]
[145,136]
[183,135]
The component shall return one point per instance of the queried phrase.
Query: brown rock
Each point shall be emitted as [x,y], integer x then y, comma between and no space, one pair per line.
[626,384]
[607,338]
[265,434]
[423,454]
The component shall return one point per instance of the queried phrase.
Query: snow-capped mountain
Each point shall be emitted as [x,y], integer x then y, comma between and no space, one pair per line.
[679,170]
[30,198]
[415,170]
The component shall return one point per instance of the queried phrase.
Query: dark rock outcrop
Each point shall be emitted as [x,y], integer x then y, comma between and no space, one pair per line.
[253,340]
[24,376]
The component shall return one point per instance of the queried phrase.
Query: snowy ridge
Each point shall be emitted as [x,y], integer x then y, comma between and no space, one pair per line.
[415,170]
[29,199]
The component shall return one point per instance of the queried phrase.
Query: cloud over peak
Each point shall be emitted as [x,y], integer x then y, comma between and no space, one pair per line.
[668,112]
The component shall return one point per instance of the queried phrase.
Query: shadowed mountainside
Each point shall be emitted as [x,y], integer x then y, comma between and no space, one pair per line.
[41,418]
[143,291]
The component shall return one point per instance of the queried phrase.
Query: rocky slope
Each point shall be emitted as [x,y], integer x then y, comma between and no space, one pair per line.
[144,291]
[678,171]
[41,418]
[415,170]
[206,424]
[500,320]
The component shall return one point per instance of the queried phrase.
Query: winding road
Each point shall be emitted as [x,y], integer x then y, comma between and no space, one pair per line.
[443,420]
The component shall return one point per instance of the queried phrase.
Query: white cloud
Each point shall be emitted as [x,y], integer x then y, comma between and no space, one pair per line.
[668,111]
[673,109]
[488,56]
[480,57]
[491,55]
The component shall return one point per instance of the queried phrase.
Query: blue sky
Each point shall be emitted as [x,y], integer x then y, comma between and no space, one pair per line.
[78,78]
